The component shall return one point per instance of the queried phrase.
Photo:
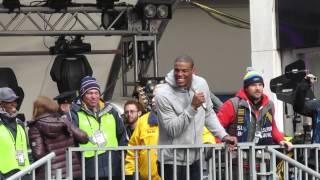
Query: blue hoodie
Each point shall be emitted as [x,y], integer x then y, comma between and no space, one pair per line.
[179,123]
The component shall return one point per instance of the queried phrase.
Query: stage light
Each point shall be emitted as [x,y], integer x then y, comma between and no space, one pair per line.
[163,11]
[154,10]
[68,70]
[11,4]
[150,11]
[75,46]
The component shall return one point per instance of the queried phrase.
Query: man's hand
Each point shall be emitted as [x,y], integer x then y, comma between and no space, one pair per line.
[287,145]
[198,99]
[311,78]
[231,142]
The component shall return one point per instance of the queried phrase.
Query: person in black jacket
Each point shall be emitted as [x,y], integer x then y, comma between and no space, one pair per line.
[307,104]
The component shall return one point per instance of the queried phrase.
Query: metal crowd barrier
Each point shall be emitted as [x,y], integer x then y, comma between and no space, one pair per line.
[45,160]
[301,163]
[248,161]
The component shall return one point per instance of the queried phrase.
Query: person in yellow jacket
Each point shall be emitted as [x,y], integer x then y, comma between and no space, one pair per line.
[146,134]
[13,139]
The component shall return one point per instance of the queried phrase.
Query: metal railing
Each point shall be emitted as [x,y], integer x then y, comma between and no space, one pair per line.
[297,165]
[45,160]
[247,162]
[301,163]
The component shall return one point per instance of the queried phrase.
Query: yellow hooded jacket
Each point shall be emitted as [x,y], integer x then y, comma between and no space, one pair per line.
[146,134]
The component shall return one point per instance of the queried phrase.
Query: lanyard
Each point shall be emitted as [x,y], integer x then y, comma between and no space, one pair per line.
[91,125]
[12,138]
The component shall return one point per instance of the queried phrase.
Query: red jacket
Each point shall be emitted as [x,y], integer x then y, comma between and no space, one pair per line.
[228,113]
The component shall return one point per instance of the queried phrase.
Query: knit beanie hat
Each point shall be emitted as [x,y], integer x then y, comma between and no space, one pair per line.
[88,83]
[251,77]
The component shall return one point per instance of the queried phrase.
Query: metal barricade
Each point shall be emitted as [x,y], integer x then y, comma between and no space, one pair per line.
[248,161]
[200,149]
[301,163]
[45,160]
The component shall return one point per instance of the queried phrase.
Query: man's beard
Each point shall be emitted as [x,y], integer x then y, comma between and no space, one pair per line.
[255,99]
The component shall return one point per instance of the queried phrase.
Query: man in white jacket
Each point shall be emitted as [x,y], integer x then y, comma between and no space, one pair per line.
[184,108]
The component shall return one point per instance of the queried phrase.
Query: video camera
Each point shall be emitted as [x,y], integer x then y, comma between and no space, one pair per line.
[285,86]
[286,89]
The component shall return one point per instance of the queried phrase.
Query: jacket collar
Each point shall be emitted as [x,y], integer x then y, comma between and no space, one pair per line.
[153,119]
[104,108]
[242,95]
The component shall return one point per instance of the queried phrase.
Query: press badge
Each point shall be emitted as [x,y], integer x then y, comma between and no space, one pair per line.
[257,136]
[99,138]
[20,157]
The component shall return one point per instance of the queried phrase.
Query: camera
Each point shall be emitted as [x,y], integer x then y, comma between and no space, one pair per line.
[294,87]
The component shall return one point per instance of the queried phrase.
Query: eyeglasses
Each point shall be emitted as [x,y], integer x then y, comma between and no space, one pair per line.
[130,112]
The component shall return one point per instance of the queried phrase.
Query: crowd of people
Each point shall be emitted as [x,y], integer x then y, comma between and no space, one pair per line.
[183,113]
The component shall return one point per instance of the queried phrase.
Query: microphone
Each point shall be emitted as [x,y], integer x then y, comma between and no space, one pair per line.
[204,106]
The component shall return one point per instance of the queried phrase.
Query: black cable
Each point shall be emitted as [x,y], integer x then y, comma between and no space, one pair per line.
[45,28]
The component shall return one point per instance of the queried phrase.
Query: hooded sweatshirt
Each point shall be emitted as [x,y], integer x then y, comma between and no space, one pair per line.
[179,123]
[228,116]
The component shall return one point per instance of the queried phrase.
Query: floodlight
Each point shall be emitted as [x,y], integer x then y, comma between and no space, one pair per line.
[163,11]
[154,10]
[150,11]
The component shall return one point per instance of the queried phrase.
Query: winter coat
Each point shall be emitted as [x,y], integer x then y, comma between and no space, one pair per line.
[146,134]
[307,104]
[103,159]
[251,118]
[179,123]
[52,133]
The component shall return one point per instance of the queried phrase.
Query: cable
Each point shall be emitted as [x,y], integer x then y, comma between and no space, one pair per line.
[38,3]
[223,17]
[45,28]
[221,13]
[228,22]
[46,74]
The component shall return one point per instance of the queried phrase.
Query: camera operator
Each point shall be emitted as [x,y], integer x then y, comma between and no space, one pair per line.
[305,103]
